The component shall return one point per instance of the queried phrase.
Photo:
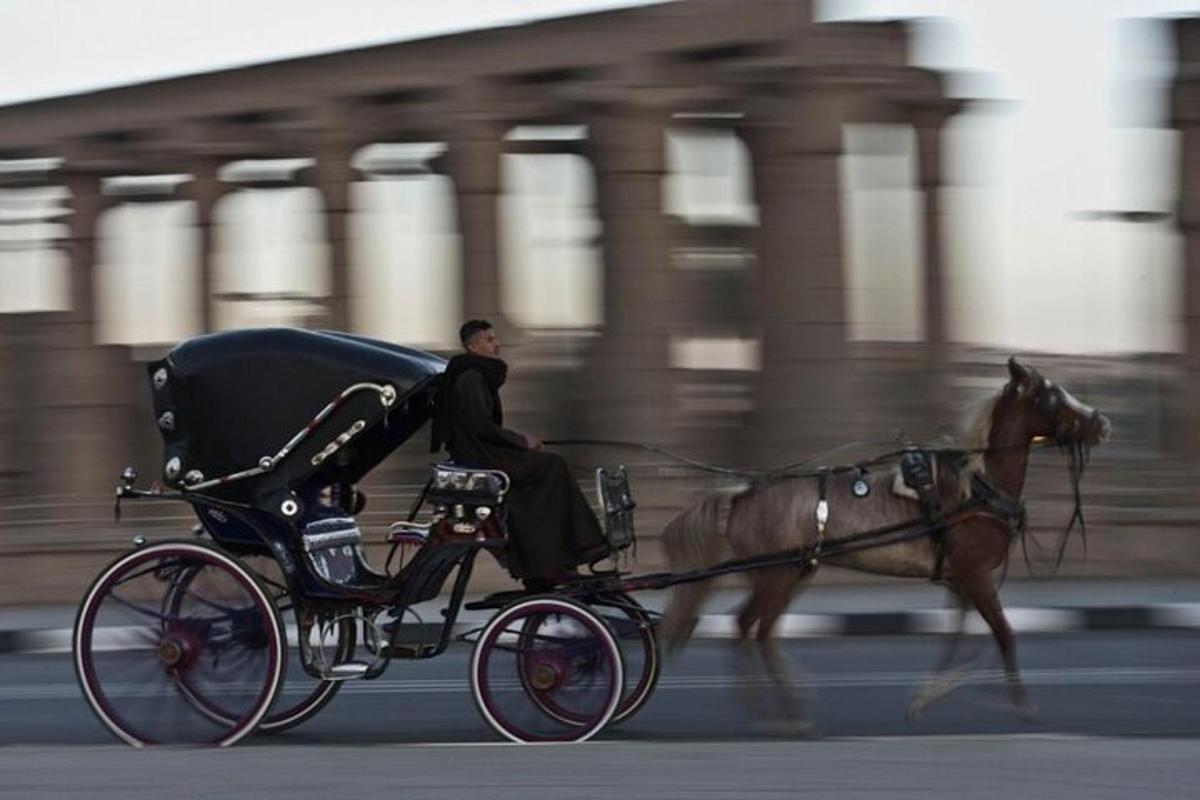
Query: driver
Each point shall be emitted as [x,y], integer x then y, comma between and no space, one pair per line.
[551,525]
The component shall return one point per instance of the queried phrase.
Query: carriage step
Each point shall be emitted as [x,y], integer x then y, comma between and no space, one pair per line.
[346,672]
[497,600]
[424,650]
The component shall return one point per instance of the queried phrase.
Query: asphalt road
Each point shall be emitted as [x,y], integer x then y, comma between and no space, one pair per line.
[1119,716]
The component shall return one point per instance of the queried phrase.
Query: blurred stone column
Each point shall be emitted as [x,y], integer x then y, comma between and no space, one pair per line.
[928,120]
[206,190]
[802,407]
[333,177]
[473,164]
[1186,118]
[83,387]
[628,374]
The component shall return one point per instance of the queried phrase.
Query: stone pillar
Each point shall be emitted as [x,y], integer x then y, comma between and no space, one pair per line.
[1189,227]
[473,164]
[629,381]
[206,190]
[928,122]
[1186,118]
[83,388]
[802,403]
[333,177]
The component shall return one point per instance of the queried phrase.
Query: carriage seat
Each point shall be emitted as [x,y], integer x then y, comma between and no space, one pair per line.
[333,549]
[453,483]
[468,505]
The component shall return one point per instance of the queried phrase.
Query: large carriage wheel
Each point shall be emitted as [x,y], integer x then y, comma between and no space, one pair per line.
[547,669]
[641,654]
[300,696]
[170,623]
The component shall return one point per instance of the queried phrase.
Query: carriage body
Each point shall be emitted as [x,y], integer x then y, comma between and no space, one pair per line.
[260,427]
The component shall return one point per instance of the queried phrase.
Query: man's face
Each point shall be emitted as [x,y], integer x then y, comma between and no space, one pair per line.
[485,343]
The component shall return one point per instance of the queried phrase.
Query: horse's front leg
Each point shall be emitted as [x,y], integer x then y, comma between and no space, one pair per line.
[982,593]
[945,677]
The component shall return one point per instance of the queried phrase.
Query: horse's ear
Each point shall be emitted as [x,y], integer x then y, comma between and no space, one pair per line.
[1017,370]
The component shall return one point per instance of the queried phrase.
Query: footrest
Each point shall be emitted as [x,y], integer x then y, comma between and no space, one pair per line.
[410,651]
[497,600]
[348,671]
[616,502]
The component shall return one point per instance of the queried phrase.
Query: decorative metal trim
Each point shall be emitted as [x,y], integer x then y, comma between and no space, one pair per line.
[387,397]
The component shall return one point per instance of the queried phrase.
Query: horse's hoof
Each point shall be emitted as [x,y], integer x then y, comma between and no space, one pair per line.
[1026,710]
[913,712]
[786,728]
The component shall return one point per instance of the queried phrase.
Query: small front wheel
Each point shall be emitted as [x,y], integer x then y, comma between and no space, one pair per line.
[178,643]
[547,669]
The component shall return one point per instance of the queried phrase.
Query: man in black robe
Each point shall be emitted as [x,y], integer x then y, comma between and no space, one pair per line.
[551,526]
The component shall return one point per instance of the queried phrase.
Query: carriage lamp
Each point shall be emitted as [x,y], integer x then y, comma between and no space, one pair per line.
[482,513]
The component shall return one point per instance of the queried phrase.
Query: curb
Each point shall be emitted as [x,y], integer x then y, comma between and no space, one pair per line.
[1177,616]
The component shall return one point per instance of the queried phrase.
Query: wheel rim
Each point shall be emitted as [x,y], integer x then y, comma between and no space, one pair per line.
[641,654]
[546,670]
[170,634]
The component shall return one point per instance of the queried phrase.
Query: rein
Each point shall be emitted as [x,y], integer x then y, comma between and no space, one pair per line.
[1077,453]
[786,471]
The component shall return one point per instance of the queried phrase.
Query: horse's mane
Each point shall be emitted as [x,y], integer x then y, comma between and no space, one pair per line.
[974,439]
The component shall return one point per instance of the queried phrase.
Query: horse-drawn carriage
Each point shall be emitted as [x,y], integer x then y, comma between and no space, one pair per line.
[256,621]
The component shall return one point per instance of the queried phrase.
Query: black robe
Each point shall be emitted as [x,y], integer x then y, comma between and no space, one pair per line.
[550,524]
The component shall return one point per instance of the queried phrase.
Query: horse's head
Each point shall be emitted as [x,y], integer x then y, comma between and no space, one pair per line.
[1051,411]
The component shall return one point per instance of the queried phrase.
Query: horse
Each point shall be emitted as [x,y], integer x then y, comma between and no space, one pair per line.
[971,513]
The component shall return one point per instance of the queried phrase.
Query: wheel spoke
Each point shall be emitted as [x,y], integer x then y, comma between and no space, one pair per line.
[208,663]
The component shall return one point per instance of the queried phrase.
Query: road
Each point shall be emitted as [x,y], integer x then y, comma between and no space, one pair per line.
[1118,712]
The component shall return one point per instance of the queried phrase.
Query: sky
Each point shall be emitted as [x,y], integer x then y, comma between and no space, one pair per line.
[54,47]
[1073,124]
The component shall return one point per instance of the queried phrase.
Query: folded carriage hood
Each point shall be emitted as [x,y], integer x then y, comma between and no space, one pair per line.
[224,401]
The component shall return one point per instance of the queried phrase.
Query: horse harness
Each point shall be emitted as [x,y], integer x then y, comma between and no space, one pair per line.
[918,470]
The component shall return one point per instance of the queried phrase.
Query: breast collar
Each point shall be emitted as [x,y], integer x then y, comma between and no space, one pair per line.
[986,497]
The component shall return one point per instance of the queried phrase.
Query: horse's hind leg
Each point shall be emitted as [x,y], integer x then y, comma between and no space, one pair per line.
[945,677]
[982,592]
[746,652]
[777,588]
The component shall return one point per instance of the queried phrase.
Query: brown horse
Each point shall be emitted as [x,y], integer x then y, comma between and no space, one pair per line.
[978,488]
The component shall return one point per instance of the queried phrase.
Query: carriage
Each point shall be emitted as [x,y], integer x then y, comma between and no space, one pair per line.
[256,621]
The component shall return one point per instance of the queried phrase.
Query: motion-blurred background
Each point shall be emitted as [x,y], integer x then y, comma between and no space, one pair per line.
[746,230]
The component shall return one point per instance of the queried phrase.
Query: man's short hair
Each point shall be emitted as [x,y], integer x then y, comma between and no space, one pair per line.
[472,327]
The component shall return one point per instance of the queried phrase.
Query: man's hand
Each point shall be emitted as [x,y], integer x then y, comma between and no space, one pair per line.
[533,442]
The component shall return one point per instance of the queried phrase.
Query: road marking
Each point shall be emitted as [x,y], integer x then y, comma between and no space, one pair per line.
[1071,676]
[1022,619]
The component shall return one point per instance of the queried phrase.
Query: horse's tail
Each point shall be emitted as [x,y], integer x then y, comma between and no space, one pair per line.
[694,539]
